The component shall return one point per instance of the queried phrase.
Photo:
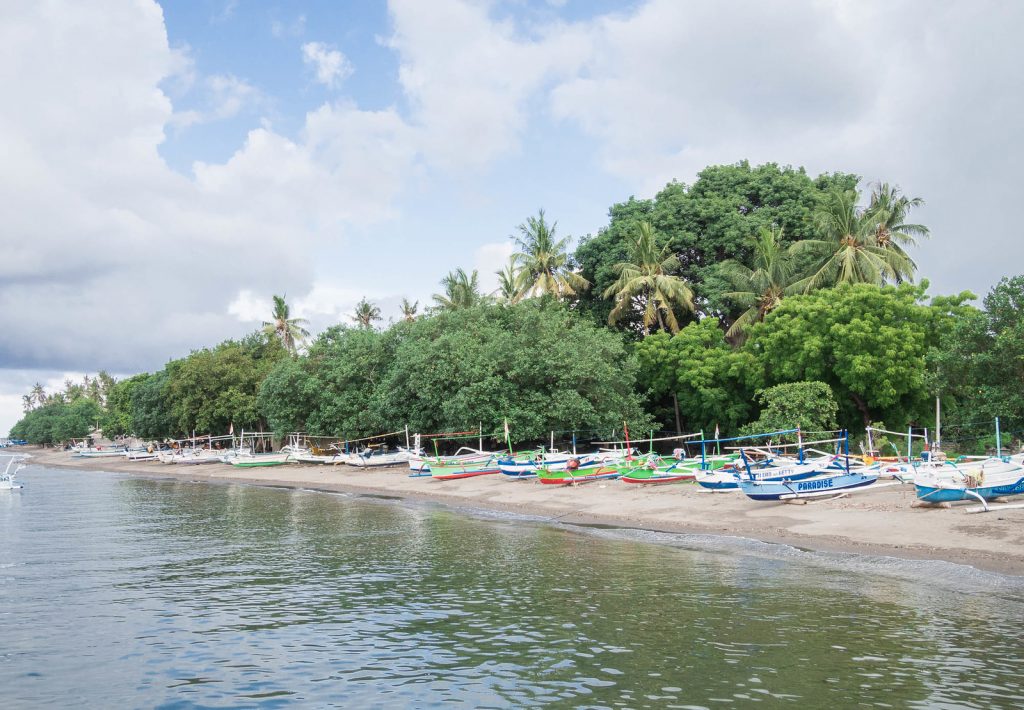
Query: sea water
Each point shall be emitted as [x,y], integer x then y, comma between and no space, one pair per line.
[118,592]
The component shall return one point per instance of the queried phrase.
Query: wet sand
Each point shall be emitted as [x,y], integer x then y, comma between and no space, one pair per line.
[876,522]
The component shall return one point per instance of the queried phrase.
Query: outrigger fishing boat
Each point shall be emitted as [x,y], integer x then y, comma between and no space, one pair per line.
[573,476]
[673,470]
[15,462]
[468,469]
[829,476]
[993,477]
[759,463]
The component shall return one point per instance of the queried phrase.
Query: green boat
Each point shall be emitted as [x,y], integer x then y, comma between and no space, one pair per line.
[654,469]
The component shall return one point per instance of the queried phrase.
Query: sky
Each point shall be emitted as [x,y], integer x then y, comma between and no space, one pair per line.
[169,167]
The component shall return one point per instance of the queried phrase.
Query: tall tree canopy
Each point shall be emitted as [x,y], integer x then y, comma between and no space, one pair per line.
[646,284]
[543,261]
[290,331]
[461,290]
[868,343]
[846,248]
[707,223]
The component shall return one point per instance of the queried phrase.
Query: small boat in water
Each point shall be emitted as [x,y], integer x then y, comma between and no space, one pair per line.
[15,462]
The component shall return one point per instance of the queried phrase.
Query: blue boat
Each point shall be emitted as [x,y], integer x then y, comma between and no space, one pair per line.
[817,485]
[992,478]
[729,478]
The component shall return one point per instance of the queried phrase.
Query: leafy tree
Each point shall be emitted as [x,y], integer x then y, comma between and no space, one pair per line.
[287,396]
[977,366]
[151,413]
[646,283]
[697,379]
[847,248]
[510,288]
[463,367]
[366,314]
[347,366]
[212,389]
[409,309]
[544,262]
[38,394]
[760,287]
[290,331]
[76,419]
[58,421]
[868,343]
[707,223]
[893,231]
[811,406]
[118,419]
[461,290]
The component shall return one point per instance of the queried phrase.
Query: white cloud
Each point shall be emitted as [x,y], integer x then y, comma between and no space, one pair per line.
[331,66]
[139,263]
[488,260]
[469,77]
[295,28]
[249,308]
[224,96]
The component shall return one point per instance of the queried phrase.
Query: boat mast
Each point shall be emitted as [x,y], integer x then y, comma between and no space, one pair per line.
[938,423]
[999,448]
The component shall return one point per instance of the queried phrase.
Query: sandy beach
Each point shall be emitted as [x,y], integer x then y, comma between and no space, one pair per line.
[877,522]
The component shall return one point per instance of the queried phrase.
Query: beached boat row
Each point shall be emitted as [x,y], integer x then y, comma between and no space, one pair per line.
[772,471]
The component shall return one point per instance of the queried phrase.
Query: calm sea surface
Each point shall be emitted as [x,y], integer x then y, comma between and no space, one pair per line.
[129,593]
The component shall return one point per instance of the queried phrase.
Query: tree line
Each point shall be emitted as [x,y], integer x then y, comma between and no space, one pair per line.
[718,304]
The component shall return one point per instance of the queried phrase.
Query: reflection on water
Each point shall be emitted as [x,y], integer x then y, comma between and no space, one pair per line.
[118,591]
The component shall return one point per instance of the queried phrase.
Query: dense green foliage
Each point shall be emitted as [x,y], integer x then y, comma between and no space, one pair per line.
[212,389]
[460,368]
[869,344]
[792,301]
[712,382]
[977,366]
[809,406]
[707,223]
[58,421]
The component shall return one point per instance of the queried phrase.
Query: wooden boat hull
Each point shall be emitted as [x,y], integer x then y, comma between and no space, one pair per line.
[655,477]
[806,487]
[456,475]
[568,478]
[935,494]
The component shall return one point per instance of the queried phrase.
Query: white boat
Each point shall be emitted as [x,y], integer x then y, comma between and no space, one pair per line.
[191,457]
[15,462]
[98,452]
[247,459]
[380,457]
[465,456]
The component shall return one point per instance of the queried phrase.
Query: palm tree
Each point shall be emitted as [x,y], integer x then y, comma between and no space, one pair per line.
[543,261]
[646,280]
[847,250]
[510,285]
[409,309]
[27,403]
[365,314]
[288,330]
[38,394]
[893,231]
[461,290]
[762,285]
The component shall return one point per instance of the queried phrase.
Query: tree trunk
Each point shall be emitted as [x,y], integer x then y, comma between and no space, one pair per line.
[862,406]
[675,403]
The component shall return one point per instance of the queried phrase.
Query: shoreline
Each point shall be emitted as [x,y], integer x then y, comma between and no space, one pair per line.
[879,522]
